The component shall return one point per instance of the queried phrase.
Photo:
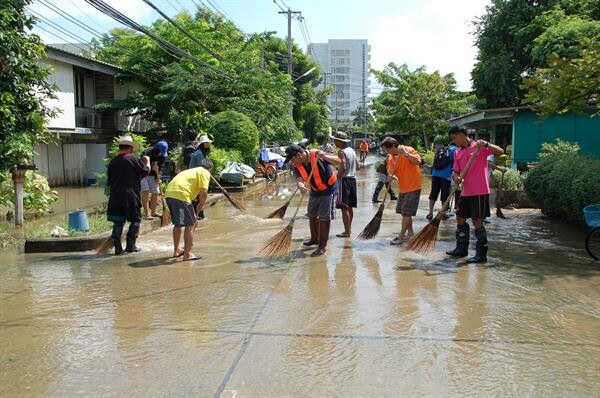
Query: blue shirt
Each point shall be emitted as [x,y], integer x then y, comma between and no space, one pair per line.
[447,171]
[197,157]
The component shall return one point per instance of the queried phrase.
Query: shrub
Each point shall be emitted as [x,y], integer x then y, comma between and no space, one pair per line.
[234,130]
[563,183]
[37,195]
[220,157]
[442,139]
[113,151]
[513,180]
[428,157]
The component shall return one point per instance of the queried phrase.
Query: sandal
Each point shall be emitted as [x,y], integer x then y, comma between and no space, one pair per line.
[318,252]
[343,235]
[179,254]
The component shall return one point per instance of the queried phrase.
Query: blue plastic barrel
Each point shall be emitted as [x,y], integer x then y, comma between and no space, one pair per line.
[592,215]
[78,221]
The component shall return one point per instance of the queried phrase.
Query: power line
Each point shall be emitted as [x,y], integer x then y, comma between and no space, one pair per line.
[118,16]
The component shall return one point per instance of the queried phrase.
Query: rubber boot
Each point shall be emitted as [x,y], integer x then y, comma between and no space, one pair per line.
[378,189]
[314,232]
[323,237]
[132,234]
[462,241]
[117,231]
[481,246]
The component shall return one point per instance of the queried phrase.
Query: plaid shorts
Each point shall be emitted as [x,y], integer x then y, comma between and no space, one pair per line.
[148,184]
[408,203]
[322,206]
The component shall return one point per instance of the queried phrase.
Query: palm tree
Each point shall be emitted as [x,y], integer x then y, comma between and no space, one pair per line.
[362,116]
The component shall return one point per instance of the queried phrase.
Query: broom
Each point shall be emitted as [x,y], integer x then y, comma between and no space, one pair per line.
[424,241]
[106,245]
[165,218]
[279,245]
[372,228]
[499,213]
[231,200]
[279,213]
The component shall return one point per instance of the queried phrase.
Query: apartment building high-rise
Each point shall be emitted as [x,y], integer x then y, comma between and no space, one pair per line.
[346,65]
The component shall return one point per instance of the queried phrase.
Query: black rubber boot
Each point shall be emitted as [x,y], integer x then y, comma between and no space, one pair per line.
[132,234]
[323,237]
[462,241]
[481,246]
[378,189]
[117,231]
[314,232]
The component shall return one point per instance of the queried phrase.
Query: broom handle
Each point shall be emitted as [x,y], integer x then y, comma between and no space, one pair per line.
[462,174]
[385,185]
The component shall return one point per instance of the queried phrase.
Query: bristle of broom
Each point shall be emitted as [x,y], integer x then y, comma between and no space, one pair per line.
[499,213]
[234,202]
[372,228]
[105,246]
[425,240]
[165,219]
[279,245]
[279,213]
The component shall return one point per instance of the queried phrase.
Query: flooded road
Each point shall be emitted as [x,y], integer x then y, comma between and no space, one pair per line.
[368,319]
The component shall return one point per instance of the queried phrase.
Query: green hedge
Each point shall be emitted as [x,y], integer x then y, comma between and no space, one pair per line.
[234,130]
[563,184]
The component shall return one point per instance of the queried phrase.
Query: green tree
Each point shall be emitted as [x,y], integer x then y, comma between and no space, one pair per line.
[234,130]
[23,87]
[362,116]
[513,40]
[417,102]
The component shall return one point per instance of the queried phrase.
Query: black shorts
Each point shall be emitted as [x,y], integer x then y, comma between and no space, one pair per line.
[346,193]
[182,213]
[439,184]
[474,206]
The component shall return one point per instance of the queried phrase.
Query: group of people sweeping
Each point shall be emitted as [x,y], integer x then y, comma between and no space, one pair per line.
[330,182]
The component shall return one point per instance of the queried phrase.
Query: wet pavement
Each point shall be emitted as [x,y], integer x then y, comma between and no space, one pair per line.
[367,319]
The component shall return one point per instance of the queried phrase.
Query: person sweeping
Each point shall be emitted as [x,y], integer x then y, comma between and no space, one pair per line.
[321,202]
[474,202]
[124,174]
[180,192]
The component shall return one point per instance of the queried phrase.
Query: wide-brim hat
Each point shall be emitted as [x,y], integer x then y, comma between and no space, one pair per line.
[340,136]
[204,139]
[127,140]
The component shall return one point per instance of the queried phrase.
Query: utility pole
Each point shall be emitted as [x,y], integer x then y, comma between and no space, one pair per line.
[289,13]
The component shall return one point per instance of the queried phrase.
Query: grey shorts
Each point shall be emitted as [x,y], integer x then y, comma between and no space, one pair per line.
[149,184]
[182,213]
[322,206]
[408,203]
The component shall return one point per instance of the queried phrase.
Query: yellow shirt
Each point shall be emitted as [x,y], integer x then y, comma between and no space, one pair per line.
[187,184]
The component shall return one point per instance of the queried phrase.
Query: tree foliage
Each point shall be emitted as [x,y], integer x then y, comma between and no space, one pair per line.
[515,37]
[234,130]
[180,95]
[417,102]
[23,87]
[362,116]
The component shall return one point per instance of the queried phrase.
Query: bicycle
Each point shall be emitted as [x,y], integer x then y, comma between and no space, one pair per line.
[592,240]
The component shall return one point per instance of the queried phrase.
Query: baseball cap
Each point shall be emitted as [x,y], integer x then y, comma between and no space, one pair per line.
[291,151]
[163,147]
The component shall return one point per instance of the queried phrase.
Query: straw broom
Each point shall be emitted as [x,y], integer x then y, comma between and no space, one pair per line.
[106,245]
[279,245]
[499,213]
[424,241]
[165,218]
[279,213]
[237,204]
[372,228]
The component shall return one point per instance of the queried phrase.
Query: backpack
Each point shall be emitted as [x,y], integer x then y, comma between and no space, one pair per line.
[442,158]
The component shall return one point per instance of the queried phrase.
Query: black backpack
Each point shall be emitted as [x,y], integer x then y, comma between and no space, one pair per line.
[442,158]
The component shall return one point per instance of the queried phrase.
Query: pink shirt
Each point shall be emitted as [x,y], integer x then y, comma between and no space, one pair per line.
[476,181]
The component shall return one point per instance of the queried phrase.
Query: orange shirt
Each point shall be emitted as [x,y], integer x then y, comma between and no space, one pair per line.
[407,173]
[364,147]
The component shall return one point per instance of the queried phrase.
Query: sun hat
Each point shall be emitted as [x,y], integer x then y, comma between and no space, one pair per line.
[127,140]
[340,136]
[163,147]
[204,139]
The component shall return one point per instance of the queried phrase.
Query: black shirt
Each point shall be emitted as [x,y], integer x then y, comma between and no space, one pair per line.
[123,177]
[326,170]
[155,157]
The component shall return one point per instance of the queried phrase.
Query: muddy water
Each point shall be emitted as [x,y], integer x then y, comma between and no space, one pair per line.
[368,319]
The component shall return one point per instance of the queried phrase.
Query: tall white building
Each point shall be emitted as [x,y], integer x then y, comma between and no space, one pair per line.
[346,65]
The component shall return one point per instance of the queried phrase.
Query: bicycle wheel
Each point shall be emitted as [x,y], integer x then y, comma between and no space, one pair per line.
[271,174]
[592,243]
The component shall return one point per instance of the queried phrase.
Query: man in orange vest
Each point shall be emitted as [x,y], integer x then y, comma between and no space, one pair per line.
[322,181]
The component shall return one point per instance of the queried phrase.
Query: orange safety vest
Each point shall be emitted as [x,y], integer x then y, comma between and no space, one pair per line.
[316,184]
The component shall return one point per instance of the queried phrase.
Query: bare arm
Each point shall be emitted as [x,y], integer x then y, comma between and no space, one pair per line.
[202,196]
[342,167]
[495,149]
[331,159]
[413,158]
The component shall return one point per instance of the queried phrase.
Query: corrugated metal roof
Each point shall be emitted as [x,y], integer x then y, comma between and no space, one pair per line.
[55,47]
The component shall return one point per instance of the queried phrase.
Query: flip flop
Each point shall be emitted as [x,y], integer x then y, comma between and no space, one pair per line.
[181,253]
[342,235]
[192,259]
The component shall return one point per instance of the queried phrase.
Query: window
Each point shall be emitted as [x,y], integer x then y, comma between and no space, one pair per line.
[79,89]
[341,70]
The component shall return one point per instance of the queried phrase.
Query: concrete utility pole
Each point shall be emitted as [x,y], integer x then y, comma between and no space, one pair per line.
[290,14]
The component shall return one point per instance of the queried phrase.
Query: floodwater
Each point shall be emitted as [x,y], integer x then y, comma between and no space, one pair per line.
[368,319]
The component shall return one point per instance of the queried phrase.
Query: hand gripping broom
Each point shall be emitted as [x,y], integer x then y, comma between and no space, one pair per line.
[424,241]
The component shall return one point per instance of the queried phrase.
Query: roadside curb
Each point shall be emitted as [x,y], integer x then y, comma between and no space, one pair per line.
[84,243]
